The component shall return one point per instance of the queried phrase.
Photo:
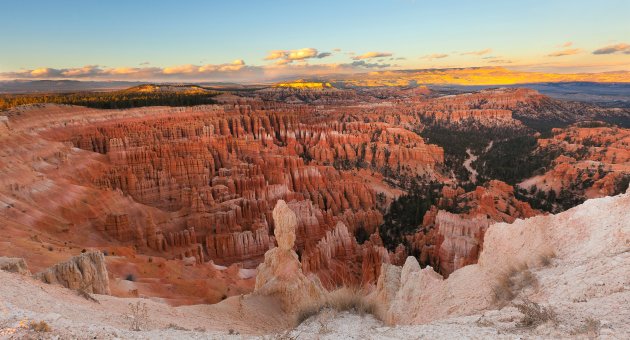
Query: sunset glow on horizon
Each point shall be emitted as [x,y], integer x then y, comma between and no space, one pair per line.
[244,41]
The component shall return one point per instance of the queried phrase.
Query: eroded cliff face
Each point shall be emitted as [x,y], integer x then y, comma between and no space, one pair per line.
[452,233]
[197,185]
[487,108]
[219,176]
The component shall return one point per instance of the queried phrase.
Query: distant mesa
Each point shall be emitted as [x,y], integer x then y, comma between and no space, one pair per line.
[168,88]
[305,84]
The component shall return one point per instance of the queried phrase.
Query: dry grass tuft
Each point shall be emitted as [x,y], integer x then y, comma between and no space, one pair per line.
[512,282]
[40,327]
[176,327]
[340,300]
[534,314]
[545,259]
[590,327]
[83,292]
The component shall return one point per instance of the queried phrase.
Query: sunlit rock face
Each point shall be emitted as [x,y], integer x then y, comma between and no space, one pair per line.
[593,160]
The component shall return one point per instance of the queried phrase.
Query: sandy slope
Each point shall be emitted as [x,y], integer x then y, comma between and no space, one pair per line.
[23,299]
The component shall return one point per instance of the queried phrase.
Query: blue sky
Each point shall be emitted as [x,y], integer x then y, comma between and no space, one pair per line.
[63,35]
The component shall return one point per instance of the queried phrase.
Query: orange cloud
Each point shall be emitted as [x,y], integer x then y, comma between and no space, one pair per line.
[480,52]
[434,56]
[370,55]
[565,52]
[288,56]
[499,61]
[618,48]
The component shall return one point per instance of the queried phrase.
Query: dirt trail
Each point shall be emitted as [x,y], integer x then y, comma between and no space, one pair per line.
[467,164]
[471,158]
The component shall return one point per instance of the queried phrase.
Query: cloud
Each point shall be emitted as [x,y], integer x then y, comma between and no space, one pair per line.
[44,72]
[618,48]
[480,52]
[434,56]
[500,61]
[323,55]
[277,54]
[565,52]
[236,70]
[144,63]
[95,71]
[567,44]
[370,55]
[302,54]
[363,63]
[287,56]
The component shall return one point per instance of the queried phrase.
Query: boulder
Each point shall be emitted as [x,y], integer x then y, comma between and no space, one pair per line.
[86,272]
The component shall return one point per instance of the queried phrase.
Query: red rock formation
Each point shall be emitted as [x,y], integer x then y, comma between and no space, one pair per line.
[489,107]
[197,184]
[186,186]
[462,240]
[593,161]
[449,241]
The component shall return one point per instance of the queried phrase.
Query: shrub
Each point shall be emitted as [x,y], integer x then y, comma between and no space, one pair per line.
[590,327]
[176,327]
[512,282]
[545,258]
[83,292]
[534,314]
[40,327]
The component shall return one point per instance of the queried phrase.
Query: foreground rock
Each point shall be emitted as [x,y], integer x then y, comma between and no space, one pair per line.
[586,284]
[575,262]
[281,274]
[86,272]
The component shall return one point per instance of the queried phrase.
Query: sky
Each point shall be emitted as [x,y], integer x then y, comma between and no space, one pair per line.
[254,40]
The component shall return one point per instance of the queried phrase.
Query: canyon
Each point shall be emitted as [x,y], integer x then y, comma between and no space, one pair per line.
[176,204]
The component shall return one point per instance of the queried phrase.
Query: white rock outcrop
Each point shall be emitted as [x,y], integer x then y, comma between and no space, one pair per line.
[280,275]
[589,241]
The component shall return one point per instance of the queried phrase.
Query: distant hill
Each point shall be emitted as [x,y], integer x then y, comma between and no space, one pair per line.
[168,88]
[137,96]
[58,86]
[305,84]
